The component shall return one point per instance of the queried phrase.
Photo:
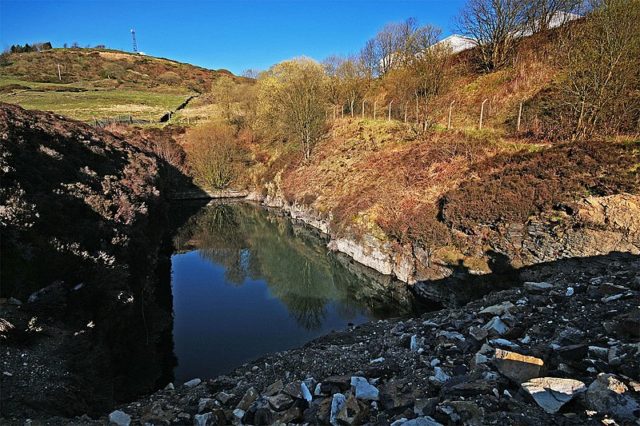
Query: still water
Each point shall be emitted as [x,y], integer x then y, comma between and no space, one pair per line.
[247,282]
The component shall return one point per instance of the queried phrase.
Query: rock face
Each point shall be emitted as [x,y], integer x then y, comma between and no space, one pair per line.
[551,393]
[608,395]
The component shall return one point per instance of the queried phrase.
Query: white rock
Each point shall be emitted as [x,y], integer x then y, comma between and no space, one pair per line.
[169,387]
[363,389]
[337,404]
[119,418]
[496,325]
[422,421]
[192,383]
[238,413]
[202,419]
[306,394]
[374,361]
[569,292]
[439,375]
[551,393]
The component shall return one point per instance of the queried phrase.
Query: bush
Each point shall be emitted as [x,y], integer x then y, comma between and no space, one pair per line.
[215,155]
[513,187]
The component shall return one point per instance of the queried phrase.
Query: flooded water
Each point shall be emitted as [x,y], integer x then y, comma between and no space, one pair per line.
[247,282]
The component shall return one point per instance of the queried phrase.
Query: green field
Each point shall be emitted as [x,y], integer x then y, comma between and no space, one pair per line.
[90,104]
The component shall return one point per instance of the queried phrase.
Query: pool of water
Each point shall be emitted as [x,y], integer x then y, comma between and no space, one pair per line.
[247,282]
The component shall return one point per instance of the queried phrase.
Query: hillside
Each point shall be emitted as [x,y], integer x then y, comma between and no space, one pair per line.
[423,204]
[98,83]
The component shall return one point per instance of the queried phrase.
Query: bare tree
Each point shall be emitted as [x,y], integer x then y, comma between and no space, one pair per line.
[602,84]
[393,46]
[541,14]
[495,25]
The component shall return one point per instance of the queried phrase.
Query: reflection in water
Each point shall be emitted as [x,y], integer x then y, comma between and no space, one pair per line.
[247,282]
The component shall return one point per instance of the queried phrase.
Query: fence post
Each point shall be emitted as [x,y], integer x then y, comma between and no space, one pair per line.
[417,111]
[390,103]
[352,102]
[363,108]
[342,112]
[482,113]
[519,117]
[375,104]
[450,110]
[406,105]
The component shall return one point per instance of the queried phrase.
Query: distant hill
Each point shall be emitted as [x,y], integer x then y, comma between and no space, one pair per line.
[100,83]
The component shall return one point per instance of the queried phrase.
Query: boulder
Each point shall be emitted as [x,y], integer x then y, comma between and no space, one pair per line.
[517,367]
[497,310]
[422,421]
[274,388]
[496,326]
[608,395]
[364,390]
[249,397]
[280,402]
[192,383]
[205,419]
[551,393]
[119,418]
[338,404]
[541,287]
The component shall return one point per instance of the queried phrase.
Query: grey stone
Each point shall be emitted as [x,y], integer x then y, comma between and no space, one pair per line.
[274,388]
[517,367]
[540,287]
[439,376]
[192,383]
[119,418]
[451,335]
[551,393]
[306,394]
[205,419]
[498,310]
[338,403]
[224,397]
[422,421]
[496,326]
[608,395]
[249,397]
[280,402]
[364,390]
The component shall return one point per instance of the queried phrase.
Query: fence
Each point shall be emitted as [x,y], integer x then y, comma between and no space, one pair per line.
[400,112]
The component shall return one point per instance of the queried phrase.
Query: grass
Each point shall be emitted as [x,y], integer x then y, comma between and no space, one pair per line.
[88,105]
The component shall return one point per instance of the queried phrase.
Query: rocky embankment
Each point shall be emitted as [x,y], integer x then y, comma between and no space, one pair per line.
[561,349]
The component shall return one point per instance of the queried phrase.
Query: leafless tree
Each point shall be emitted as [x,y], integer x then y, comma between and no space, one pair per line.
[540,14]
[602,84]
[495,25]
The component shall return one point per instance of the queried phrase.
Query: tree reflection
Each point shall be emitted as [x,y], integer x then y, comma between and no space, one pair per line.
[251,243]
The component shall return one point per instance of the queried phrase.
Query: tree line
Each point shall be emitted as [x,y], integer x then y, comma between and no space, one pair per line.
[403,68]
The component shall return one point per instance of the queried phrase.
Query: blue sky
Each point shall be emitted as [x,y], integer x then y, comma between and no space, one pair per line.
[235,35]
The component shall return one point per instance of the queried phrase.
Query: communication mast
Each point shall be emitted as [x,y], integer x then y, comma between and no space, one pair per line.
[133,37]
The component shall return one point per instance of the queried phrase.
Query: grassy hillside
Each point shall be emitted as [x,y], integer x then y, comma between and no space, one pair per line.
[99,83]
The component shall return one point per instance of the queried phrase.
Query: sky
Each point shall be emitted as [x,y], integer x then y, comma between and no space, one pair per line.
[235,35]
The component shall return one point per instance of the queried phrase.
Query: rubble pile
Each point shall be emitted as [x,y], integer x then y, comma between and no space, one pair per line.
[563,351]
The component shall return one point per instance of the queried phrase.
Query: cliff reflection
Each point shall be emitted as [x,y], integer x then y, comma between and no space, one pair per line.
[253,244]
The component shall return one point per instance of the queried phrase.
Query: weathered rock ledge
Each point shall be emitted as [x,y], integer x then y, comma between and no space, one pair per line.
[564,349]
[595,226]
